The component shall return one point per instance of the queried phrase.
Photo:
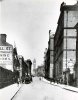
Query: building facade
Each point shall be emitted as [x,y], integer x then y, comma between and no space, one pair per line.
[29,64]
[76,64]
[65,42]
[46,62]
[40,71]
[51,58]
[6,53]
[34,67]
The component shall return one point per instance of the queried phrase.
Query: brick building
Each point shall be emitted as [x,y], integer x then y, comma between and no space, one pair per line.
[46,62]
[6,53]
[34,67]
[7,76]
[51,50]
[76,65]
[49,57]
[40,71]
[65,42]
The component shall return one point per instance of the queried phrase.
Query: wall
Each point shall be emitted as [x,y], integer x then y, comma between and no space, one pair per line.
[6,77]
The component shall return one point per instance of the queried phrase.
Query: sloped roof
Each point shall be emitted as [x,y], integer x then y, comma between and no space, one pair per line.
[69,7]
[5,44]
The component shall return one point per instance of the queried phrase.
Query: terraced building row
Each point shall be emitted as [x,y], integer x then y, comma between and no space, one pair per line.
[62,54]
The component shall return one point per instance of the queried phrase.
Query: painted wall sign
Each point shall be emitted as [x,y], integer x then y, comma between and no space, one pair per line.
[6,56]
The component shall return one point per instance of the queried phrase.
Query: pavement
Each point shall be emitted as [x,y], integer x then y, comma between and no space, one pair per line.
[41,90]
[9,92]
[66,87]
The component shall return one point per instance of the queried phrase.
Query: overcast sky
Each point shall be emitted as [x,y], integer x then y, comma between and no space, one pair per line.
[27,22]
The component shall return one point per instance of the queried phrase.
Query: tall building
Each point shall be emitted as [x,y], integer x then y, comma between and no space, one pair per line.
[29,64]
[16,63]
[6,53]
[51,48]
[45,63]
[49,57]
[76,65]
[65,42]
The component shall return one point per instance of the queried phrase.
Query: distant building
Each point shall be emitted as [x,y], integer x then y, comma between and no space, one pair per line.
[40,71]
[49,57]
[65,42]
[29,64]
[46,63]
[6,53]
[16,63]
[34,66]
[51,48]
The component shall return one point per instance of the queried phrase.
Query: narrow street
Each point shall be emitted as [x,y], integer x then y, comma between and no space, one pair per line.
[40,90]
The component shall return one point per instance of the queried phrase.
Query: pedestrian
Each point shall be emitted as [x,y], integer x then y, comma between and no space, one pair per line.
[18,81]
[40,78]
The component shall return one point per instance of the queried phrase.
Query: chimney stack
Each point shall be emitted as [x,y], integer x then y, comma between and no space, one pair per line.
[3,38]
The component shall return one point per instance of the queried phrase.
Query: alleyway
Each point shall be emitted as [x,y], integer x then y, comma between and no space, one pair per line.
[40,90]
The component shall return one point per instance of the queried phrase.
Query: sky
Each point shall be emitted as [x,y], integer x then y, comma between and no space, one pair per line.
[27,23]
